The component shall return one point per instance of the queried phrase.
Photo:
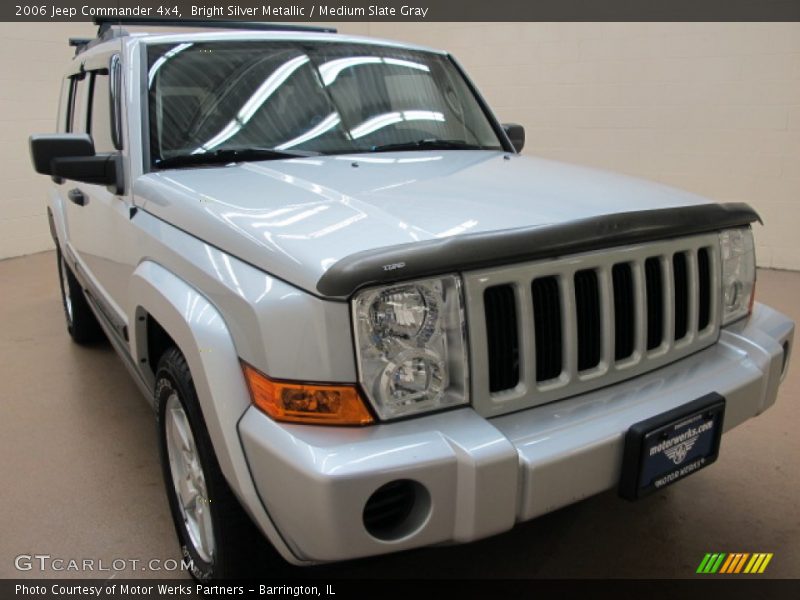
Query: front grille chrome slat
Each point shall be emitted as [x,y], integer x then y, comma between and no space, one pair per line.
[527,336]
[606,319]
[570,327]
[640,308]
[588,320]
[668,304]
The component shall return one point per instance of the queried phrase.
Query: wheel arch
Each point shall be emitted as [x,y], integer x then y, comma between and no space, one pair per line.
[156,340]
[161,301]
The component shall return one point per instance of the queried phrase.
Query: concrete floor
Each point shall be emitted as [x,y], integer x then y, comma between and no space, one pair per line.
[79,476]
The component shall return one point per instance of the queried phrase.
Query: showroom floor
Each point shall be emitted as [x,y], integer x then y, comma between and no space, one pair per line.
[80,478]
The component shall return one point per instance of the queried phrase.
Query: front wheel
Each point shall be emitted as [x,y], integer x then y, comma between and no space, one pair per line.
[218,540]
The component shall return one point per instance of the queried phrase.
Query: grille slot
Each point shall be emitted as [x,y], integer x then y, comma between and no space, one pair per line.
[680,278]
[703,289]
[587,311]
[655,302]
[547,327]
[501,337]
[624,312]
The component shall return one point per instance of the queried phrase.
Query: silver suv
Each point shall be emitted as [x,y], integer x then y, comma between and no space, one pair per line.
[366,323]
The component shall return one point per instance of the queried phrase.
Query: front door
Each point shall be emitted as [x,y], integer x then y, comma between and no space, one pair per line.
[98,217]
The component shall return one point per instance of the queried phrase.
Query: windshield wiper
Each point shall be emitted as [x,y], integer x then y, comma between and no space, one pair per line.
[430,144]
[229,155]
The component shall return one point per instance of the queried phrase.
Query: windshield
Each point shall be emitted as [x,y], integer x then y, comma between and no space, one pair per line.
[206,98]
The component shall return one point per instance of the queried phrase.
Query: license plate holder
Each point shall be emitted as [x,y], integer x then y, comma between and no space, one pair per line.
[668,447]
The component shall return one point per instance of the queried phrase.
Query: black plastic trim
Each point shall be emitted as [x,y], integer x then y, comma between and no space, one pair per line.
[496,126]
[487,249]
[712,404]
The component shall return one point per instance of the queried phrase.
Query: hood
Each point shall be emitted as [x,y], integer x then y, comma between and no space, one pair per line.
[296,218]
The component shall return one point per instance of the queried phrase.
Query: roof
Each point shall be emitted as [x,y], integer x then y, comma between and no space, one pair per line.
[151,38]
[214,35]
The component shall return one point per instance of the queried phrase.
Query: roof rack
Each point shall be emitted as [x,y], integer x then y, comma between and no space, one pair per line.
[79,44]
[105,23]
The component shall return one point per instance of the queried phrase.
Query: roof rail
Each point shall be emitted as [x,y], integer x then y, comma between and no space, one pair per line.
[105,23]
[83,44]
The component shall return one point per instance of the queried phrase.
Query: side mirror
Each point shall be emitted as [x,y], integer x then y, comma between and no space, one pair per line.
[102,169]
[516,134]
[45,148]
[72,156]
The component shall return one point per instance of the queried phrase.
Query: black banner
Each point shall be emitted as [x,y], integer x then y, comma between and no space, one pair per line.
[109,589]
[408,10]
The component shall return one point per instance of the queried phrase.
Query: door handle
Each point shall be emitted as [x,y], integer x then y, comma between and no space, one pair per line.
[76,196]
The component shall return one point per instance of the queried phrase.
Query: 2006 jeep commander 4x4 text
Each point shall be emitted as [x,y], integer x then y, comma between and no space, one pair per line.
[365,321]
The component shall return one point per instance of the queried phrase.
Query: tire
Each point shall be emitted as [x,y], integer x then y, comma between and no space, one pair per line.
[82,325]
[217,538]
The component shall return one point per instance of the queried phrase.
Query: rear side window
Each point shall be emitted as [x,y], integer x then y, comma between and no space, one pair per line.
[100,114]
[76,116]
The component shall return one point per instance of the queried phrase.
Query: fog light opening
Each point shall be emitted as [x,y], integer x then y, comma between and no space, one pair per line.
[396,510]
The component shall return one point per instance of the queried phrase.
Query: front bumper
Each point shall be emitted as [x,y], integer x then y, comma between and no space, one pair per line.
[482,476]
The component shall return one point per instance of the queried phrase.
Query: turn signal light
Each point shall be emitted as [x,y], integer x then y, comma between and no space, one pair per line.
[305,402]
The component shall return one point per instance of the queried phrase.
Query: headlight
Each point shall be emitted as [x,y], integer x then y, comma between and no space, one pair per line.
[411,346]
[738,273]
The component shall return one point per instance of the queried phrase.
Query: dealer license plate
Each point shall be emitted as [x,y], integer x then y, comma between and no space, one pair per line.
[666,448]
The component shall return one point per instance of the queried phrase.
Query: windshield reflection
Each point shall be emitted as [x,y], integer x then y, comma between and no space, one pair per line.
[259,97]
[328,98]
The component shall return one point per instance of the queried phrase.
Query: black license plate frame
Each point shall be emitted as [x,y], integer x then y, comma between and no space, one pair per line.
[664,449]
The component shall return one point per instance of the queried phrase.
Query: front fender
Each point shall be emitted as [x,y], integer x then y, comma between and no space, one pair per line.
[201,334]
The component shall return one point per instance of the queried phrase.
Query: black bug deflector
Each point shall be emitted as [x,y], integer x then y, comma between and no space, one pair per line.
[481,250]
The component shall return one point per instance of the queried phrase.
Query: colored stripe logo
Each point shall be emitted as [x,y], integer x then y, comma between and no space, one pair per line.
[734,563]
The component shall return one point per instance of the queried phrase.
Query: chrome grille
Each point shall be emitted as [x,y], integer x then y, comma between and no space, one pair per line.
[552,329]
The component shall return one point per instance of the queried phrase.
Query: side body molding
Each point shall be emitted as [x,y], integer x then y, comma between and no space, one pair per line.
[203,337]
